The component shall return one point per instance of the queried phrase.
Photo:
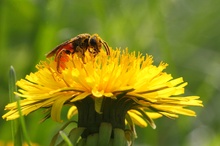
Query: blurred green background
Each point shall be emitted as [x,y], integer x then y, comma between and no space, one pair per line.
[183,33]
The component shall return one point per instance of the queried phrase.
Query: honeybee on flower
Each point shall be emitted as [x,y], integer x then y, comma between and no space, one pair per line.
[79,45]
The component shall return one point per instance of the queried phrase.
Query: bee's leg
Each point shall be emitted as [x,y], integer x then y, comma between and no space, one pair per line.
[58,60]
[81,53]
[92,51]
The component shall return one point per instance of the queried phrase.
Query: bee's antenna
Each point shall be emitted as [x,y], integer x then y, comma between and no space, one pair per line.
[106,47]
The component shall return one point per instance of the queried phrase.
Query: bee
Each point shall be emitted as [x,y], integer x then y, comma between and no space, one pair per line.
[79,44]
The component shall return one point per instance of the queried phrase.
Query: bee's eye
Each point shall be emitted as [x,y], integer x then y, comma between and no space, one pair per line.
[93,41]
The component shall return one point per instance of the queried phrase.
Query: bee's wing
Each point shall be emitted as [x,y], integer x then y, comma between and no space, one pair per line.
[54,51]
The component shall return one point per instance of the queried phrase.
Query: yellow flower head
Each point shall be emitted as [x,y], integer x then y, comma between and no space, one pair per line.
[145,90]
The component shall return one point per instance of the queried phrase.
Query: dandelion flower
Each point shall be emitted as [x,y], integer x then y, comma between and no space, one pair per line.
[121,88]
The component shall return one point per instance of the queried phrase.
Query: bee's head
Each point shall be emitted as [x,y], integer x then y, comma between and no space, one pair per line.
[96,43]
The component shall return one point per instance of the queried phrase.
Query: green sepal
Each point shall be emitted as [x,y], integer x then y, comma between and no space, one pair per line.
[105,131]
[66,140]
[119,137]
[147,118]
[75,134]
[92,140]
